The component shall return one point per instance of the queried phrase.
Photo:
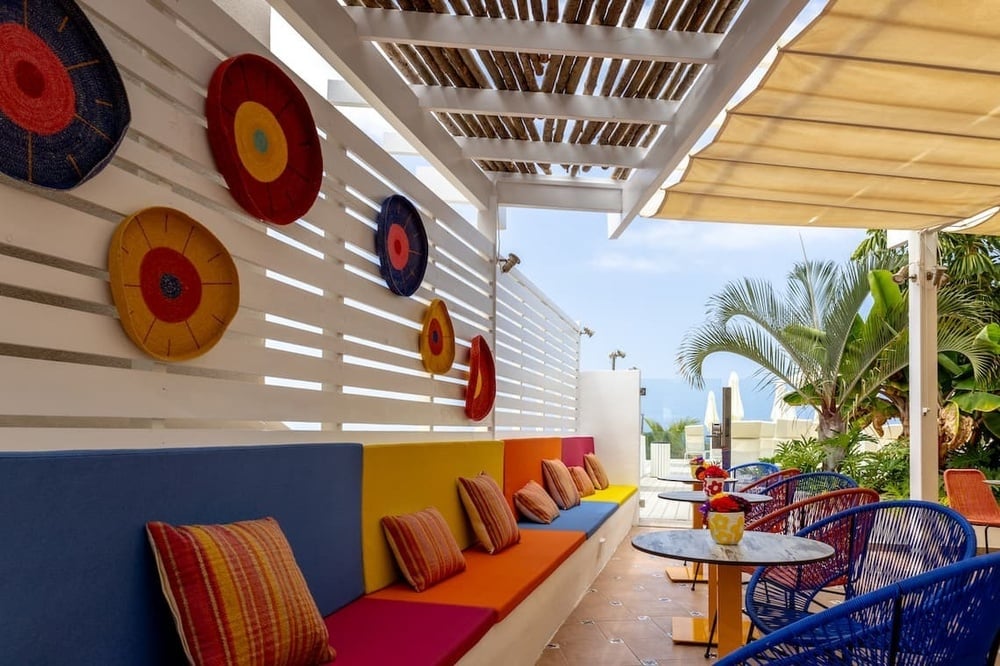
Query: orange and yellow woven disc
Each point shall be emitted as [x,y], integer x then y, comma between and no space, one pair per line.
[174,284]
[437,339]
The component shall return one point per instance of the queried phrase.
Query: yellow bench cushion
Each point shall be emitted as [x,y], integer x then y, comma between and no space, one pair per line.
[617,494]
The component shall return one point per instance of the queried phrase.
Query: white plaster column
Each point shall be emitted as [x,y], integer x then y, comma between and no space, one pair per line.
[923,366]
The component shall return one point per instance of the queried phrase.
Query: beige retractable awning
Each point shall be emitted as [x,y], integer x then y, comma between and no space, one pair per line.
[881,114]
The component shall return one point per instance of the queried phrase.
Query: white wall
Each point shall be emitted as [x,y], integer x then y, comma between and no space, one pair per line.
[342,360]
[609,410]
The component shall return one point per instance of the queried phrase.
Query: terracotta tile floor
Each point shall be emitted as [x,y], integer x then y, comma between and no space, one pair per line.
[626,616]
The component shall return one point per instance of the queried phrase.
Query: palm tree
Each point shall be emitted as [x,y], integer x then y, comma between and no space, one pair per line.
[815,338]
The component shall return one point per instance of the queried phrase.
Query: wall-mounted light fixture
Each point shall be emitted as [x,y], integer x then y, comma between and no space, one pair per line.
[615,355]
[586,330]
[507,263]
[938,276]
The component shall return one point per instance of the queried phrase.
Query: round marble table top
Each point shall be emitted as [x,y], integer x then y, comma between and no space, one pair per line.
[699,496]
[680,479]
[755,548]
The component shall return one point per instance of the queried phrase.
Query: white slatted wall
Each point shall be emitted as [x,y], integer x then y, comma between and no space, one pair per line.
[331,350]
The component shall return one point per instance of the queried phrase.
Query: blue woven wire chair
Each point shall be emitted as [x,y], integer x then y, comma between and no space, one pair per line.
[745,474]
[797,488]
[876,545]
[946,616]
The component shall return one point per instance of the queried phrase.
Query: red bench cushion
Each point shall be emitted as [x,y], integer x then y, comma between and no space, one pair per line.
[380,631]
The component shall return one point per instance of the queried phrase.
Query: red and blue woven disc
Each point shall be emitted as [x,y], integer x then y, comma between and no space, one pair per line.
[63,107]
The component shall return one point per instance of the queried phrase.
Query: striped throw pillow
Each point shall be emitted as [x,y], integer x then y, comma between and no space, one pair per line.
[596,470]
[488,511]
[237,595]
[534,503]
[582,481]
[560,484]
[424,547]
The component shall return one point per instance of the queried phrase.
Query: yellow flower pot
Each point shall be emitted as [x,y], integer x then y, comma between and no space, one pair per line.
[726,528]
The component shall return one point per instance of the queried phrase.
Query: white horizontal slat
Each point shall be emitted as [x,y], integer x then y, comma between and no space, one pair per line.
[116,437]
[48,388]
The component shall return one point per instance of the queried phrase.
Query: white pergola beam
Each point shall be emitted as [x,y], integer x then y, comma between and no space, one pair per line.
[511,150]
[564,194]
[500,34]
[756,30]
[544,105]
[330,30]
[340,93]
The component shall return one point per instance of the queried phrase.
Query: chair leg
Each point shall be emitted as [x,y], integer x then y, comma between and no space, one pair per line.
[711,635]
[694,578]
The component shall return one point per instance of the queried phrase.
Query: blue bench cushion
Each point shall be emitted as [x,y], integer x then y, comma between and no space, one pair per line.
[75,557]
[587,517]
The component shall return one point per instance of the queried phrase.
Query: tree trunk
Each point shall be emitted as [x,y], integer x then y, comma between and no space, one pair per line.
[831,426]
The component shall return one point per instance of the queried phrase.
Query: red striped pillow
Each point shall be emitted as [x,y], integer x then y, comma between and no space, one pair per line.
[424,547]
[582,481]
[534,503]
[596,470]
[488,511]
[560,484]
[237,595]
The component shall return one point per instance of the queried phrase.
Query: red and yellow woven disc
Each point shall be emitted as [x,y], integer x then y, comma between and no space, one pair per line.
[174,284]
[482,390]
[264,139]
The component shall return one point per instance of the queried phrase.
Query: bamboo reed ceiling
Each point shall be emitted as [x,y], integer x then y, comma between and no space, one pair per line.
[421,65]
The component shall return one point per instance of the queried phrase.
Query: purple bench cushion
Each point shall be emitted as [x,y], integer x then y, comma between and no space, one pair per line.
[382,631]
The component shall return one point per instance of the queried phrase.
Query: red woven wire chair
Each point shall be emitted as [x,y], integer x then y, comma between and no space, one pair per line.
[970,496]
[765,481]
[796,488]
[798,515]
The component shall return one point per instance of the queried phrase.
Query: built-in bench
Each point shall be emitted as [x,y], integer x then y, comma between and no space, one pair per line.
[79,577]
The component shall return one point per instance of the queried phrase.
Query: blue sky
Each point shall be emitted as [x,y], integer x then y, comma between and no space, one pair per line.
[642,292]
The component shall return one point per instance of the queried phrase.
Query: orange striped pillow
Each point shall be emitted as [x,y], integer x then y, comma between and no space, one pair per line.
[424,547]
[596,470]
[582,481]
[560,484]
[237,595]
[488,511]
[535,504]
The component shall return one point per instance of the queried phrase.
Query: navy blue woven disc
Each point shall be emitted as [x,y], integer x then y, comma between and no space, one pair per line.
[63,107]
[401,245]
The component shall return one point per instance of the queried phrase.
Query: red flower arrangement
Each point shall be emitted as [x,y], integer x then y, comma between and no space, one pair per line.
[710,472]
[724,503]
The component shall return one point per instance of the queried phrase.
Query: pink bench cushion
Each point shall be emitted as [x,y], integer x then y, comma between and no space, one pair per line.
[379,631]
[574,448]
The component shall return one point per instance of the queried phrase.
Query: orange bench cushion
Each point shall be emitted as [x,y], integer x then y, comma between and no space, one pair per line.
[500,581]
[522,462]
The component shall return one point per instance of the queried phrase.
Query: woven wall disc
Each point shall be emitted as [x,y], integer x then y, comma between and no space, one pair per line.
[63,108]
[174,284]
[263,139]
[437,339]
[482,390]
[401,245]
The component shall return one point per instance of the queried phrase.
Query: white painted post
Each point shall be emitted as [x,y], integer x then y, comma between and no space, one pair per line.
[923,366]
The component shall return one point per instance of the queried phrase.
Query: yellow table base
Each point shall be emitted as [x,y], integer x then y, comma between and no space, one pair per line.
[694,630]
[686,573]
